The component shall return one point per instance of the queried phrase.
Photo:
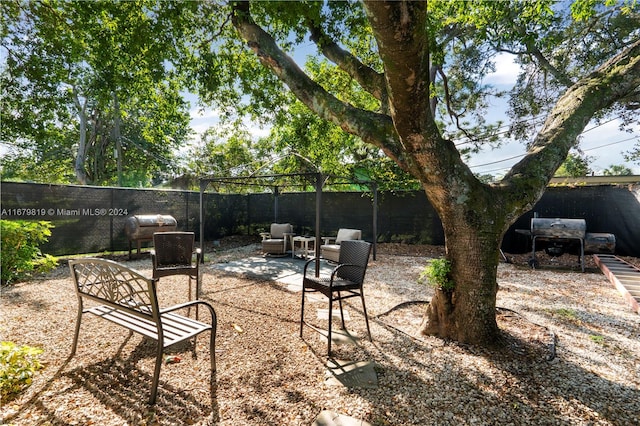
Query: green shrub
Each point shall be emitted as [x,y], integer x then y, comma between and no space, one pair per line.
[17,367]
[20,253]
[436,274]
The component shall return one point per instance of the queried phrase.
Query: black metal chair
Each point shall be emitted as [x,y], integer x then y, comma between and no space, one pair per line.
[345,282]
[173,254]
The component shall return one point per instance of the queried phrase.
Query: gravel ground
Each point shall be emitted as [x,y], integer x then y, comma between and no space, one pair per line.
[573,356]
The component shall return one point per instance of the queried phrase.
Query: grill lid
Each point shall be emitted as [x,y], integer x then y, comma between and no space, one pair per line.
[558,228]
[143,226]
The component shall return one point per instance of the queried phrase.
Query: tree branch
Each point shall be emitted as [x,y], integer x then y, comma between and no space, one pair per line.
[370,80]
[454,115]
[545,64]
[371,127]
[612,82]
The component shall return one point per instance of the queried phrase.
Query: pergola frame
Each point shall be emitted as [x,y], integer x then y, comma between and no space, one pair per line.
[318,183]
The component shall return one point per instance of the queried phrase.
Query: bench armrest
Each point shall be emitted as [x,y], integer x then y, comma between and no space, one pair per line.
[189,304]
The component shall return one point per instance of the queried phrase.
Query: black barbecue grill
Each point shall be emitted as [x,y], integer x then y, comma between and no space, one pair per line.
[558,236]
[559,233]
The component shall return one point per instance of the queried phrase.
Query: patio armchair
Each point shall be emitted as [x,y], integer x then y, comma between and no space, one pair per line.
[330,248]
[278,240]
[173,254]
[345,281]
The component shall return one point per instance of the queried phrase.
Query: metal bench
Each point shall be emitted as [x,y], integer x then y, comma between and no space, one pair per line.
[127,298]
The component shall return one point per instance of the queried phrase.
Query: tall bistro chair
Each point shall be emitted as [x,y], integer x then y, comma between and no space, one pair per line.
[345,282]
[173,254]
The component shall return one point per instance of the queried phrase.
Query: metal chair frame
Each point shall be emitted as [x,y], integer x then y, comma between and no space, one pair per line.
[129,299]
[346,281]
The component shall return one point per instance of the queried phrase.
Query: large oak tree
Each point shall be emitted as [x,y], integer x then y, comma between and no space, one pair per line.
[404,54]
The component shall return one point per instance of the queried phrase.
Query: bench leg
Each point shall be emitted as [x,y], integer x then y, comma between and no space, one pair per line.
[77,331]
[156,375]
[212,343]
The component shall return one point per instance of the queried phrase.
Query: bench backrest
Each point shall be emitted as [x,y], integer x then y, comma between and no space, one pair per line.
[111,283]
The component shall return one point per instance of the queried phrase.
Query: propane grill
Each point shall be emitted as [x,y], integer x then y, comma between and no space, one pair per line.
[560,233]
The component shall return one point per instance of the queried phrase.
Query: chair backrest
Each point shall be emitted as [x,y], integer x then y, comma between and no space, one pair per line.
[279,229]
[348,234]
[354,252]
[174,248]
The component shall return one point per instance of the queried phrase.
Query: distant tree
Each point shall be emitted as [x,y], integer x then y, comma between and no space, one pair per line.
[85,85]
[311,144]
[617,170]
[223,152]
[634,154]
[574,166]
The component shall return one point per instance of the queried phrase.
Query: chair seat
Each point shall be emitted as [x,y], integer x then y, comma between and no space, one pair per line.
[174,270]
[276,241]
[331,251]
[323,284]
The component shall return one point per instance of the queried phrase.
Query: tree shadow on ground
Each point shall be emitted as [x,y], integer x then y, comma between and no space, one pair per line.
[120,385]
[514,384]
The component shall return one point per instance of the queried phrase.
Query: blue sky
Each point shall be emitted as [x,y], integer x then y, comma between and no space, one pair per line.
[605,143]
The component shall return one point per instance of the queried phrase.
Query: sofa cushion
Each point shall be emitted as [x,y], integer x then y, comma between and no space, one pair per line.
[331,252]
[348,234]
[279,229]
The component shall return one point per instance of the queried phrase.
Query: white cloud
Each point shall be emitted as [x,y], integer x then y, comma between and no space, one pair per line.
[203,119]
[257,131]
[204,113]
[506,72]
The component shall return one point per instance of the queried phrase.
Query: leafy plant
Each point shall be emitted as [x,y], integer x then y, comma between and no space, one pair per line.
[17,367]
[437,274]
[20,254]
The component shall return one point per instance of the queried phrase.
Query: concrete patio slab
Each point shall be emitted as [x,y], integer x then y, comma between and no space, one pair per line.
[284,270]
[352,374]
[339,337]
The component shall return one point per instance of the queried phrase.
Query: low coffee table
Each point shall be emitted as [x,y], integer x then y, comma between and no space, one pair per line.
[303,249]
